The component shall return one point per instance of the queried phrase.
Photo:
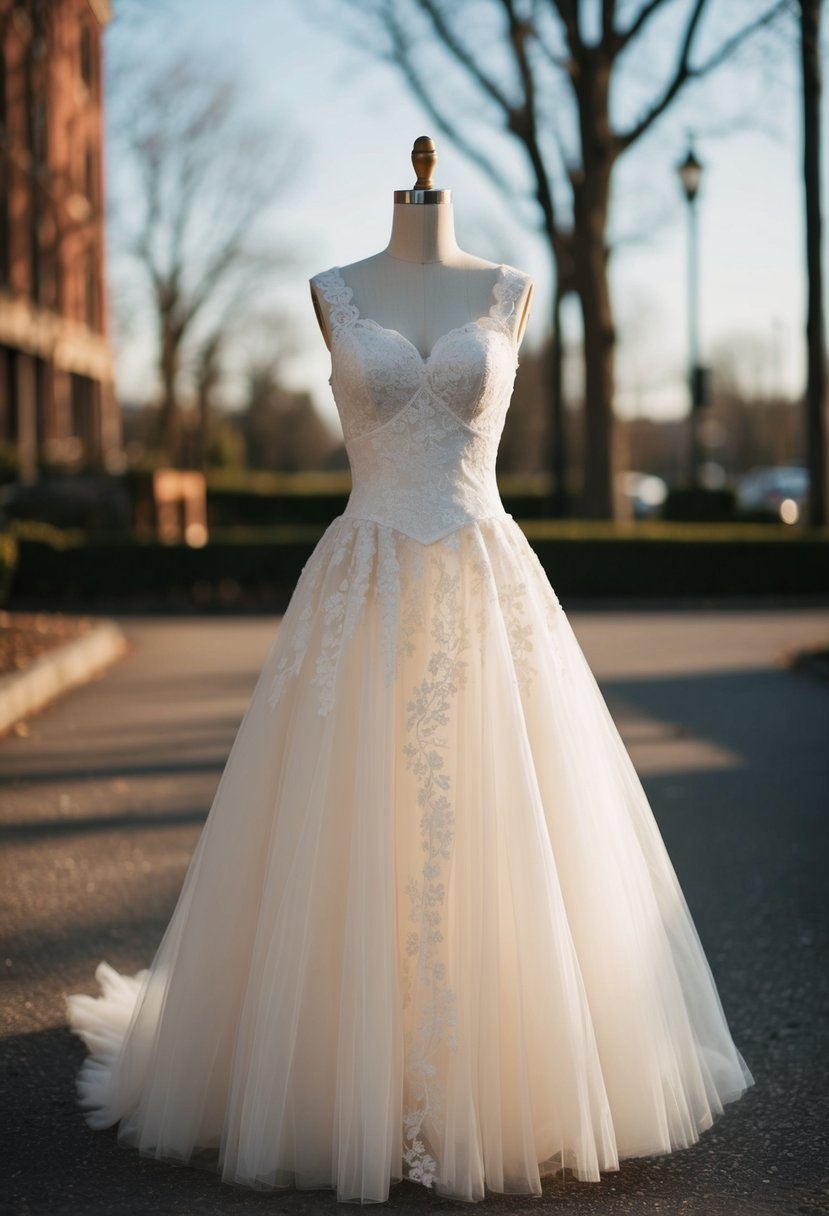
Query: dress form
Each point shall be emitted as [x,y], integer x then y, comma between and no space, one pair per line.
[430,929]
[422,284]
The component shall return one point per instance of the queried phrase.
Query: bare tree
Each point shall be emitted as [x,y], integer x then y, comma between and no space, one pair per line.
[203,177]
[816,402]
[208,375]
[283,430]
[528,66]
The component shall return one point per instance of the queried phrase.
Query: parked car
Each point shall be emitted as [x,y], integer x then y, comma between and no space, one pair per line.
[645,492]
[98,505]
[778,492]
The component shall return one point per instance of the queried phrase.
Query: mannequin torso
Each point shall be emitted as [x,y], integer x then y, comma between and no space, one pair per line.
[422,284]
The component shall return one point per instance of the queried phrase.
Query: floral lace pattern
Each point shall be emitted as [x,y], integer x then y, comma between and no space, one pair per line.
[357,560]
[422,434]
[425,548]
[297,624]
[434,1020]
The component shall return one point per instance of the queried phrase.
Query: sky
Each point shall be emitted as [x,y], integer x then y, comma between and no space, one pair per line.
[353,121]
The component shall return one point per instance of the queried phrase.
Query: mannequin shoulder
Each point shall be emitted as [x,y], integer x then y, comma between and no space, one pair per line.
[334,287]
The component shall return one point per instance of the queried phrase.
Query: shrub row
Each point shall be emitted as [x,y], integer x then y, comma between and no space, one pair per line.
[235,507]
[8,563]
[580,559]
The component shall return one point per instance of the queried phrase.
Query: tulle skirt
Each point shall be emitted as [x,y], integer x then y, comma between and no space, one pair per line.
[430,929]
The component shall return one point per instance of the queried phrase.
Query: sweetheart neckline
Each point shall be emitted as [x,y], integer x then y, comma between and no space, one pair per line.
[425,360]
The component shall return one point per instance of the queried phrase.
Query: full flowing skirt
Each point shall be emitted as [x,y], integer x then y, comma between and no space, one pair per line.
[430,929]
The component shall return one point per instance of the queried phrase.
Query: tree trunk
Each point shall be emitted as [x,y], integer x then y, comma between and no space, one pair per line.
[203,442]
[591,192]
[599,341]
[816,404]
[557,446]
[168,367]
[206,385]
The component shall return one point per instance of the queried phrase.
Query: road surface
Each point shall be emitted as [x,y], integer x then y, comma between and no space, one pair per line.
[101,806]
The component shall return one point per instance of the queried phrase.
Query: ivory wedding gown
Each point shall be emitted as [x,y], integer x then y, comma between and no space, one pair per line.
[430,929]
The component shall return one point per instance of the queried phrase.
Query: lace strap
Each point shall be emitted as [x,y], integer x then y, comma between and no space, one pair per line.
[337,294]
[508,290]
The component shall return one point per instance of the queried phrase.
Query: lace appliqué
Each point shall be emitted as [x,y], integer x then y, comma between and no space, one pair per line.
[422,437]
[512,598]
[474,583]
[342,610]
[297,628]
[337,296]
[508,289]
[422,434]
[426,987]
[377,371]
[359,559]
[553,612]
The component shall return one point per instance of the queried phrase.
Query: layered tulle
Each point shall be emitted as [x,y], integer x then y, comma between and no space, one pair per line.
[430,929]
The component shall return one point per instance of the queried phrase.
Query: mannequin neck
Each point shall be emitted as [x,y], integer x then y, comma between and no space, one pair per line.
[423,232]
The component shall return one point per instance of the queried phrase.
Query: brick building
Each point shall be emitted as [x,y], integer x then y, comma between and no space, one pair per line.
[57,404]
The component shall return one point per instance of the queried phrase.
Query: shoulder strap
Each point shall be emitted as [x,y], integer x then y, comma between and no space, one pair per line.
[337,295]
[508,290]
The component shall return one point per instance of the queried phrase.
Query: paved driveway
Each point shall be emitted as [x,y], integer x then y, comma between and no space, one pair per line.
[101,807]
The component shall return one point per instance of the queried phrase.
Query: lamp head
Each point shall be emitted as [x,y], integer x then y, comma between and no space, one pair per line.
[690,172]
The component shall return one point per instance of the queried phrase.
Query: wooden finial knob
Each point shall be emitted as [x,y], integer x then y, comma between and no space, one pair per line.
[424,159]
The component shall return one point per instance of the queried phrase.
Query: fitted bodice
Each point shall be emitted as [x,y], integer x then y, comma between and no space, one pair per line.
[422,434]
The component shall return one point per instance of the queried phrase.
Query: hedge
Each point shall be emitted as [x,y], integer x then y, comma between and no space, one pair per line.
[580,558]
[267,499]
[8,563]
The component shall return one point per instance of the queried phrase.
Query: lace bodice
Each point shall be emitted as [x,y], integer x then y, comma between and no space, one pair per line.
[421,433]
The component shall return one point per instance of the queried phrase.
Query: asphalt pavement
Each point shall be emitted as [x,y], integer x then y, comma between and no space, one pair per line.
[101,804]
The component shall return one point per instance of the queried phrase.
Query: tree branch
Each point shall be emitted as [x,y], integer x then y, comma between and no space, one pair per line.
[623,37]
[733,43]
[462,54]
[524,122]
[608,28]
[681,75]
[685,72]
[540,11]
[568,11]
[402,57]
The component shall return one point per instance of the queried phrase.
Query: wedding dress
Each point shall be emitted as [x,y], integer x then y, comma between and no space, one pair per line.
[430,929]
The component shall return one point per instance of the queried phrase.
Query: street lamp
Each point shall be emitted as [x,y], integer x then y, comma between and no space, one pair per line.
[690,173]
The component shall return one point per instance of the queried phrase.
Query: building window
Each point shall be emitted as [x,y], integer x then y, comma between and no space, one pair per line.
[8,394]
[29,87]
[41,384]
[89,177]
[2,86]
[87,71]
[48,268]
[34,254]
[83,413]
[91,289]
[40,132]
[5,239]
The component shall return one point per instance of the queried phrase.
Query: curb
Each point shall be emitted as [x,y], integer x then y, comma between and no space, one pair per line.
[813,662]
[55,672]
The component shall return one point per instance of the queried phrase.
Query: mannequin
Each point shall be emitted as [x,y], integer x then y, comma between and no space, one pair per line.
[422,284]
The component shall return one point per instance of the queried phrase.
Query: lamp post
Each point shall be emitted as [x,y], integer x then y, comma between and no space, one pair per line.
[690,172]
